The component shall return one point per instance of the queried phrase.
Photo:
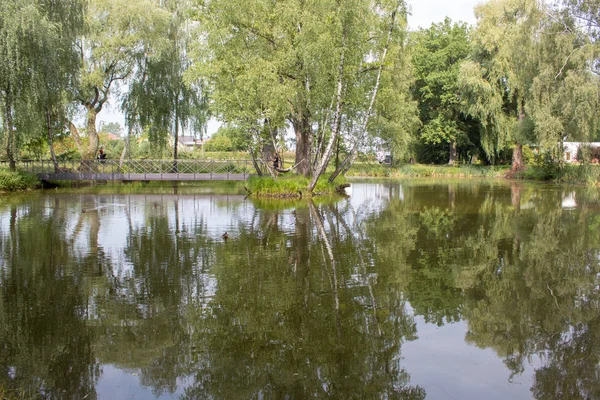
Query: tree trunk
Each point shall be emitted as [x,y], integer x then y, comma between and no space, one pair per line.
[51,140]
[176,137]
[337,153]
[347,163]
[92,134]
[303,143]
[517,158]
[255,162]
[10,134]
[336,121]
[453,153]
[125,149]
[75,133]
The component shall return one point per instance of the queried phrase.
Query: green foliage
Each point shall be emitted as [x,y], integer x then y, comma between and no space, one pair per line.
[585,173]
[13,181]
[159,101]
[288,186]
[271,64]
[35,148]
[112,127]
[120,37]
[68,155]
[525,87]
[38,64]
[236,138]
[437,55]
[544,167]
[219,142]
[426,171]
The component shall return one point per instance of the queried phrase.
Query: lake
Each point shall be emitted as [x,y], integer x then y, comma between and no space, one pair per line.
[405,289]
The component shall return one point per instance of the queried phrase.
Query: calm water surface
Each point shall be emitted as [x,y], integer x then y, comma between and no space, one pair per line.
[406,290]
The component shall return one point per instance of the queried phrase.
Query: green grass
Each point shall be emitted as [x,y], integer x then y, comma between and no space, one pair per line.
[17,394]
[588,174]
[289,187]
[14,181]
[158,187]
[425,171]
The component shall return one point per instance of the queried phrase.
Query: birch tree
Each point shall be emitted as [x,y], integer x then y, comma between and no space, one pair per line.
[313,66]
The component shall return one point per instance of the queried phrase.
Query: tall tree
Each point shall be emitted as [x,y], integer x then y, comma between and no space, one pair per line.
[56,64]
[312,65]
[564,96]
[530,79]
[389,29]
[496,82]
[38,65]
[159,99]
[119,36]
[438,53]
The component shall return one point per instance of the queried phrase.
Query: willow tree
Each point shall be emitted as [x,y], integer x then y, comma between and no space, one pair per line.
[587,14]
[119,36]
[530,78]
[18,32]
[564,96]
[56,64]
[38,64]
[159,100]
[312,65]
[495,84]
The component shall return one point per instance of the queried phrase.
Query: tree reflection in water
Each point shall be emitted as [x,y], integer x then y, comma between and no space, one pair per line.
[304,299]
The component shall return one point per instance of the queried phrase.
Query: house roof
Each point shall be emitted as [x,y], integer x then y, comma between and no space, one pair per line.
[190,140]
[112,136]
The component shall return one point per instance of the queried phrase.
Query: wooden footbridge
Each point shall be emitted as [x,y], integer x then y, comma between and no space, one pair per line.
[140,170]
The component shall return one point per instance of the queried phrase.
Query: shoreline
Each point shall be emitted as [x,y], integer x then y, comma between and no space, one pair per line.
[294,187]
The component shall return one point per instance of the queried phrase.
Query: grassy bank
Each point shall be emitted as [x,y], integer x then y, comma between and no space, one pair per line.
[289,187]
[588,174]
[584,174]
[14,181]
[426,171]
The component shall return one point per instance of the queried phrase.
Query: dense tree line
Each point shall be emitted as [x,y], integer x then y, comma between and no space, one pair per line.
[344,76]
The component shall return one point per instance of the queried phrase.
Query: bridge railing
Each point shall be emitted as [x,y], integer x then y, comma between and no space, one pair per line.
[139,166]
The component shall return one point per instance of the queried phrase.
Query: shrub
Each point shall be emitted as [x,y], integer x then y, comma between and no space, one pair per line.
[288,186]
[547,167]
[219,143]
[13,181]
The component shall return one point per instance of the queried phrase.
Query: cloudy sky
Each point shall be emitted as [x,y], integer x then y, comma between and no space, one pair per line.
[425,12]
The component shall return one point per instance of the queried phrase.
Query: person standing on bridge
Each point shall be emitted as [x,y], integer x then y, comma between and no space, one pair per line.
[276,163]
